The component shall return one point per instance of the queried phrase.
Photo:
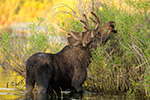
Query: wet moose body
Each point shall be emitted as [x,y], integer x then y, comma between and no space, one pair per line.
[67,69]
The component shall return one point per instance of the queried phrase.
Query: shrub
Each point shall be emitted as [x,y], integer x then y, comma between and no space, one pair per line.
[122,65]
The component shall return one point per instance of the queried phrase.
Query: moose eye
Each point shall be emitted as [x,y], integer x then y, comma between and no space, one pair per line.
[99,33]
[112,26]
[114,31]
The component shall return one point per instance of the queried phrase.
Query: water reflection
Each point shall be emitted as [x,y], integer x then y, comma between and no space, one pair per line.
[85,96]
[64,95]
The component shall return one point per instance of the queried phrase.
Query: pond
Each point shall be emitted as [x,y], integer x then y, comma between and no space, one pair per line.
[12,87]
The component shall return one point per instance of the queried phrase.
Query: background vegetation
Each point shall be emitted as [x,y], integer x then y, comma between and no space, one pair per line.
[13,11]
[122,65]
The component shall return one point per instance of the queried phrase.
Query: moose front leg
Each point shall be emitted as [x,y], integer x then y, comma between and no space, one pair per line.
[42,83]
[77,87]
[30,82]
[78,80]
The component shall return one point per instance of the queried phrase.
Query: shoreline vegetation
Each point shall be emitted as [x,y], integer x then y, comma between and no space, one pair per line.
[121,66]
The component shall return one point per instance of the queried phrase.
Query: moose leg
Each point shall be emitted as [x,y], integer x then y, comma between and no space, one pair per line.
[77,87]
[42,83]
[30,82]
[78,80]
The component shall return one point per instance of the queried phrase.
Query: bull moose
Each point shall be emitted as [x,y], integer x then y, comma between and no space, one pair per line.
[67,69]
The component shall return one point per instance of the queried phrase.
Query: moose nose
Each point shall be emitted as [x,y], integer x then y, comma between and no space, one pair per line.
[114,31]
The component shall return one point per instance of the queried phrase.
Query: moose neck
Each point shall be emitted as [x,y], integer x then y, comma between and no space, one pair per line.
[97,42]
[105,38]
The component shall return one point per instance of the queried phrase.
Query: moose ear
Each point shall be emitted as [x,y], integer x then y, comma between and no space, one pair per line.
[74,38]
[87,37]
[72,41]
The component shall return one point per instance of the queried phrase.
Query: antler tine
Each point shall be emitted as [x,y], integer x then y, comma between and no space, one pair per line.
[85,27]
[86,20]
[93,20]
[74,38]
[98,20]
[85,23]
[75,35]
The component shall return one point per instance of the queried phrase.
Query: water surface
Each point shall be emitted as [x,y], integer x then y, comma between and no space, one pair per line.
[12,87]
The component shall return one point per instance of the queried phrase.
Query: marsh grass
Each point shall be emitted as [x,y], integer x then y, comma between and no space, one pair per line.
[121,66]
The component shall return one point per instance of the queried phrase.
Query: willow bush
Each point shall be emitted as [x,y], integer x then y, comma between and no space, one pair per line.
[122,65]
[16,50]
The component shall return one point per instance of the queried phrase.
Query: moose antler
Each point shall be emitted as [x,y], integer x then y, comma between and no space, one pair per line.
[85,37]
[86,22]
[89,33]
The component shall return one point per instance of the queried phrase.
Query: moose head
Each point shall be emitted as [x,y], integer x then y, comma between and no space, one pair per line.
[92,37]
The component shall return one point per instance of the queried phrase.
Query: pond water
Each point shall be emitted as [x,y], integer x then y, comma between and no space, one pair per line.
[12,87]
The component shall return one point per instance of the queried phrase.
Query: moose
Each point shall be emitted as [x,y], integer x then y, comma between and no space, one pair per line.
[67,69]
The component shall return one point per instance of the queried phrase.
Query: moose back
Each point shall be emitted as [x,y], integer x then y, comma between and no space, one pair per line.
[67,69]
